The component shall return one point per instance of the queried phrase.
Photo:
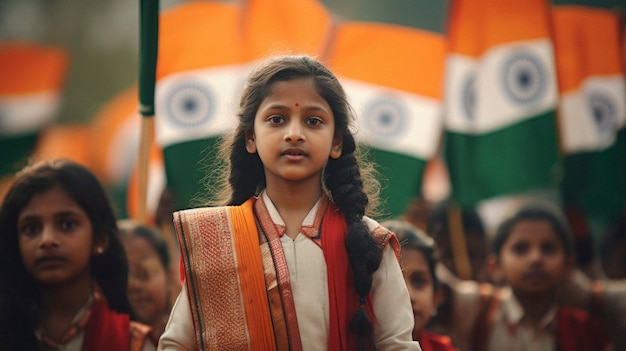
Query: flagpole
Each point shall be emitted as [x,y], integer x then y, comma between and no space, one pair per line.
[458,243]
[149,37]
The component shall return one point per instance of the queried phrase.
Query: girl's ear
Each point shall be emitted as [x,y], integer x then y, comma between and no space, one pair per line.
[250,143]
[101,245]
[335,150]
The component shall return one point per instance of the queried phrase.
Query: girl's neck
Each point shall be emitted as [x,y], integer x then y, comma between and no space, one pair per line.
[61,303]
[294,196]
[293,204]
[535,307]
[67,299]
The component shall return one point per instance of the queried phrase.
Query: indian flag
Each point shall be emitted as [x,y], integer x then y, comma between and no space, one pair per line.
[393,78]
[31,90]
[590,66]
[200,71]
[274,27]
[500,99]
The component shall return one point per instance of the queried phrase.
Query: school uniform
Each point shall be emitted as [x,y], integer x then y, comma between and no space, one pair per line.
[278,293]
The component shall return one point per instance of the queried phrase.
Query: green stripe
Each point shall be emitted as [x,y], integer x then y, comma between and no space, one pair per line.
[510,160]
[423,14]
[15,151]
[596,181]
[400,177]
[187,164]
[607,4]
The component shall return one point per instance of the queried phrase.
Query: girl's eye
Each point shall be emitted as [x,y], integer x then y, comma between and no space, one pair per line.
[419,281]
[29,229]
[275,119]
[520,248]
[68,224]
[314,121]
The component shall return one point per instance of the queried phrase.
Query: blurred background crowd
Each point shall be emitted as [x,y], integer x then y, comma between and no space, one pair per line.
[470,108]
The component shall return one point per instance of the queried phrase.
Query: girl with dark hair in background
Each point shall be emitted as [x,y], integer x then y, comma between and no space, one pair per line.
[63,269]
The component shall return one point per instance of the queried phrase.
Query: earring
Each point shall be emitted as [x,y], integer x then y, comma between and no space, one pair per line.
[433,312]
[99,250]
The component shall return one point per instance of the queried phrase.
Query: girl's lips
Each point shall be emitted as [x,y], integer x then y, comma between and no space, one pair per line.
[536,276]
[294,154]
[50,261]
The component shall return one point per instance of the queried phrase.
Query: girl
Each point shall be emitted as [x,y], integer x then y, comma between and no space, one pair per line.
[534,251]
[417,258]
[292,263]
[149,280]
[64,271]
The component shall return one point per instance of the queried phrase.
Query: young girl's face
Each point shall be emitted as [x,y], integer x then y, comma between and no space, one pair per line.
[294,132]
[55,238]
[147,281]
[533,258]
[419,282]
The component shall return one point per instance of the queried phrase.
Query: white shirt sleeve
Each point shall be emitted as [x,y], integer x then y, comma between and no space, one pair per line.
[392,306]
[179,332]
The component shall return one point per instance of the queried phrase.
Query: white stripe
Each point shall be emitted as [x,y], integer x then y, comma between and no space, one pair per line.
[28,113]
[495,107]
[122,152]
[218,92]
[415,132]
[580,131]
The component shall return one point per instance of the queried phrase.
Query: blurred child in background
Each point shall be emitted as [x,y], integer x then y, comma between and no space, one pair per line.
[63,270]
[418,261]
[149,280]
[534,251]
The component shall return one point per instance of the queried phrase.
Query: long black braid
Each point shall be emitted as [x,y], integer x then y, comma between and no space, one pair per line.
[343,181]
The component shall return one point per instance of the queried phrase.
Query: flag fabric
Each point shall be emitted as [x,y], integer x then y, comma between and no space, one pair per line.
[500,99]
[114,143]
[200,70]
[70,141]
[392,75]
[275,27]
[31,89]
[590,67]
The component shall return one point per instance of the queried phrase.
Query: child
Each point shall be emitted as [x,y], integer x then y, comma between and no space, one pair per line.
[534,251]
[291,263]
[417,258]
[149,281]
[64,271]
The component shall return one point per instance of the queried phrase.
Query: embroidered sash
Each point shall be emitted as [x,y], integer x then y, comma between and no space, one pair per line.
[219,266]
[248,274]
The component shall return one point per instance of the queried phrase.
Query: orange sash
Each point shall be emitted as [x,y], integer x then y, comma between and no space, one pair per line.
[219,266]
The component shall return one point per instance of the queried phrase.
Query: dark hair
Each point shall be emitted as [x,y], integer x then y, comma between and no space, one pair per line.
[349,185]
[20,292]
[130,229]
[438,222]
[535,212]
[411,237]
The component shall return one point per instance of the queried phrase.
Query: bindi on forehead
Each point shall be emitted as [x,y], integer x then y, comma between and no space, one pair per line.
[296,104]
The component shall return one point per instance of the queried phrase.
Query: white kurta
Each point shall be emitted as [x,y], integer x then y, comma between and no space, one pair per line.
[307,274]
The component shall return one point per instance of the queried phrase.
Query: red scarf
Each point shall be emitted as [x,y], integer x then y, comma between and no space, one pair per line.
[434,342]
[577,331]
[343,299]
[107,329]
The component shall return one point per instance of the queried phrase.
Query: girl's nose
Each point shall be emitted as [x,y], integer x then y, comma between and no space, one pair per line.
[48,237]
[294,132]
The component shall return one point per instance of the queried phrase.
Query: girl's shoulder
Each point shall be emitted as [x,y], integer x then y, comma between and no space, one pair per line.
[382,235]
